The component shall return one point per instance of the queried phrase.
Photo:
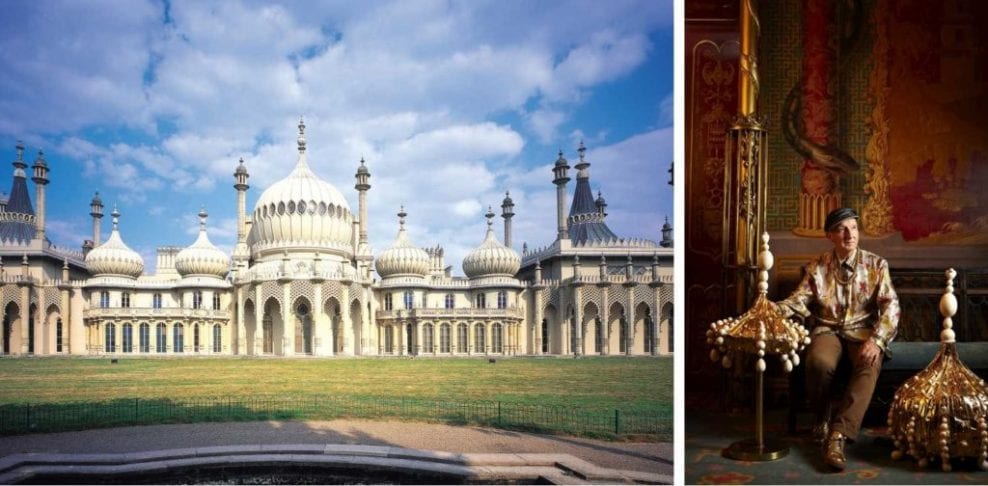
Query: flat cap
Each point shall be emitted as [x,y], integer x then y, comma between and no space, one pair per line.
[838,215]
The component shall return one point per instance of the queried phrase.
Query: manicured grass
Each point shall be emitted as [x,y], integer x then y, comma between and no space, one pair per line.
[613,397]
[599,383]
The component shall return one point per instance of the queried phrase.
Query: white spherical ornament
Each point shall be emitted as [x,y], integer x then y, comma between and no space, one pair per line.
[761,364]
[787,366]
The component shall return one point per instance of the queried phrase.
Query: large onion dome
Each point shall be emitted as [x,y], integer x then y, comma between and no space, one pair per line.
[491,258]
[114,257]
[202,258]
[403,258]
[301,212]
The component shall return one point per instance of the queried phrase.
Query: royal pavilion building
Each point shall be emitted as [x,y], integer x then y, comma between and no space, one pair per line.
[303,281]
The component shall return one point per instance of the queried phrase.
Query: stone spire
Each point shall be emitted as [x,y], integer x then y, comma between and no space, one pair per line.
[301,135]
[22,228]
[40,181]
[586,215]
[507,212]
[362,186]
[561,177]
[96,211]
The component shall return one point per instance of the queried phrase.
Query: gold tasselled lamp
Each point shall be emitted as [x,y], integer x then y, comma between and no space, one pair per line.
[941,411]
[762,330]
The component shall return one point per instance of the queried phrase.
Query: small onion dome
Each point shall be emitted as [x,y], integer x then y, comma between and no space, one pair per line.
[491,258]
[760,331]
[561,161]
[202,258]
[941,412]
[114,257]
[403,258]
[241,168]
[363,168]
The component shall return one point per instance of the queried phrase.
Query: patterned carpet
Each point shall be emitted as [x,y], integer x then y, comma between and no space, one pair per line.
[868,460]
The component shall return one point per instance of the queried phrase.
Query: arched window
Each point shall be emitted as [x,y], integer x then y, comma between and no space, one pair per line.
[58,335]
[178,338]
[128,338]
[502,300]
[598,335]
[110,344]
[449,301]
[623,335]
[268,327]
[156,301]
[216,301]
[388,304]
[649,330]
[444,338]
[217,338]
[545,335]
[144,333]
[161,338]
[481,301]
[197,299]
[125,300]
[409,299]
[461,338]
[496,338]
[427,338]
[479,338]
[195,338]
[104,299]
[389,335]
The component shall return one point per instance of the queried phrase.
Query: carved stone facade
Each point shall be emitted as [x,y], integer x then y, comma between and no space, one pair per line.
[301,282]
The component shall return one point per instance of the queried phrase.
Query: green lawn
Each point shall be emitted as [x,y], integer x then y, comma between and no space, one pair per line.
[601,397]
[600,383]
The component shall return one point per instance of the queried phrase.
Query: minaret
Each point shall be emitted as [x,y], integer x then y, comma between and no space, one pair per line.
[560,180]
[507,211]
[666,235]
[601,205]
[96,211]
[40,181]
[362,186]
[240,177]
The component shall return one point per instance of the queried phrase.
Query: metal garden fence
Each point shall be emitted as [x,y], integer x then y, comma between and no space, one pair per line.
[63,416]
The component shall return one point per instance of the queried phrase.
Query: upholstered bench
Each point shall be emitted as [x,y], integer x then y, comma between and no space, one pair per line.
[908,358]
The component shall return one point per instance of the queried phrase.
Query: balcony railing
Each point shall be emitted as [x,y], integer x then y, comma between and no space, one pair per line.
[150,312]
[426,313]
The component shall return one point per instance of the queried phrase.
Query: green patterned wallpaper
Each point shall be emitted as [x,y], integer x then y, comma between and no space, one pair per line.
[780,65]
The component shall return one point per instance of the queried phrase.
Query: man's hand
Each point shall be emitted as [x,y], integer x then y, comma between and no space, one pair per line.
[869,353]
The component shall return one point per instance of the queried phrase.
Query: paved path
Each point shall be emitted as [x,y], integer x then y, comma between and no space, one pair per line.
[644,457]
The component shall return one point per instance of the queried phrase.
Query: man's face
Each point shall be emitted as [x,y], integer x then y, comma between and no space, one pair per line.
[844,236]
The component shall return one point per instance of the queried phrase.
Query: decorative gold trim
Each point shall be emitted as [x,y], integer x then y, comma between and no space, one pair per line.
[877,214]
[749,84]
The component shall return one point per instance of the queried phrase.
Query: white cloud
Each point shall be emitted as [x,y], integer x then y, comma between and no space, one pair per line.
[157,111]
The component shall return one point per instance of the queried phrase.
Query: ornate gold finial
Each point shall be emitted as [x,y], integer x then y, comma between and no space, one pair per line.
[942,411]
[760,331]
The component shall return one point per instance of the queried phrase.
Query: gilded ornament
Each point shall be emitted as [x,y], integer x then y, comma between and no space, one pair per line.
[940,413]
[761,331]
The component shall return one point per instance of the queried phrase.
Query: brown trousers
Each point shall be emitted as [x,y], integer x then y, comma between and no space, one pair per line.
[822,359]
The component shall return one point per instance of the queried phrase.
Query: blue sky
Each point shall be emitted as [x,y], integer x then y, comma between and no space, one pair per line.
[451,104]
